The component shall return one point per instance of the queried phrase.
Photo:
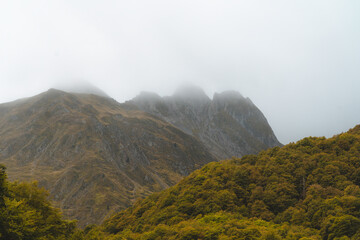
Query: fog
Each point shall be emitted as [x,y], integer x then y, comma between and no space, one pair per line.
[298,61]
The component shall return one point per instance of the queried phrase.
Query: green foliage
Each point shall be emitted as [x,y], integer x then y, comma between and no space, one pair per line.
[344,225]
[220,225]
[26,213]
[304,190]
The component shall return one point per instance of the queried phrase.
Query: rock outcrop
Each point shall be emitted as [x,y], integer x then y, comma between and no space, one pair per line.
[228,125]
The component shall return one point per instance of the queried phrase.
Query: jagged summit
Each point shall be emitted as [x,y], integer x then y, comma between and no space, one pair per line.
[190,94]
[229,124]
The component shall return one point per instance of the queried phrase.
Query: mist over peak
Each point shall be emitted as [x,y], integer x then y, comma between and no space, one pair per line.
[272,52]
[147,96]
[191,93]
[228,95]
[80,87]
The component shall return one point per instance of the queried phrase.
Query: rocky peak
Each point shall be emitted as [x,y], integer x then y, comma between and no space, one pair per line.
[229,125]
[148,100]
[228,98]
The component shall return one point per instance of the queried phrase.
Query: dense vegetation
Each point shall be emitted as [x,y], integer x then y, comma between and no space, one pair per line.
[26,213]
[304,190]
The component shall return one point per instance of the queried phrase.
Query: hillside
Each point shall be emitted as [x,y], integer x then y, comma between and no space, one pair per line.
[304,190]
[93,155]
[228,125]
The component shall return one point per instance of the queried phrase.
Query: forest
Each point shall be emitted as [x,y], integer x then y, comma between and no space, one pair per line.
[303,190]
[27,213]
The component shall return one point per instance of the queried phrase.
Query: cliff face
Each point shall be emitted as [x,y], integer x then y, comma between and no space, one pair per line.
[228,125]
[94,155]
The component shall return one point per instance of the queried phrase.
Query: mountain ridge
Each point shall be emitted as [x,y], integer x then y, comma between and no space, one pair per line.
[229,124]
[94,153]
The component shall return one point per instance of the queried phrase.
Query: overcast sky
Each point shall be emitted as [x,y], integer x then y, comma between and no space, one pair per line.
[298,61]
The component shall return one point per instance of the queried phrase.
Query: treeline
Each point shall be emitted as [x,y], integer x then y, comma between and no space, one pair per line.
[304,190]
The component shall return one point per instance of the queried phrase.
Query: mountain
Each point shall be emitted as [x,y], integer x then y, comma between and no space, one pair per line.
[304,190]
[93,154]
[228,125]
[73,144]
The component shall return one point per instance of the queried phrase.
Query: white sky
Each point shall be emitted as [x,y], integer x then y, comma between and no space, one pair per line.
[299,60]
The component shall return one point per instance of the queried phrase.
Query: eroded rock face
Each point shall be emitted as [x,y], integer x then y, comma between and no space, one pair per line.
[228,125]
[94,155]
